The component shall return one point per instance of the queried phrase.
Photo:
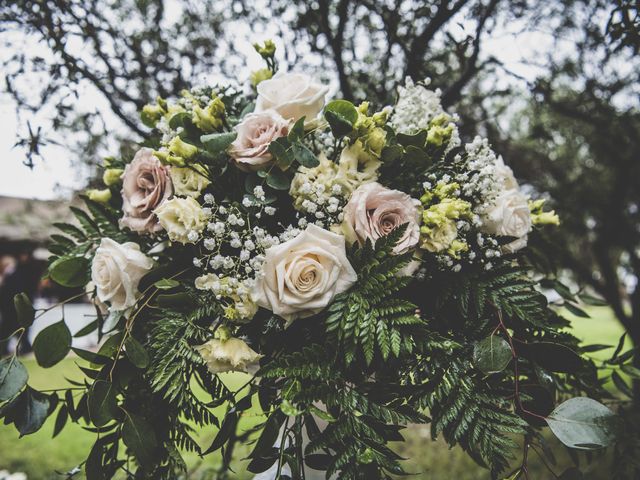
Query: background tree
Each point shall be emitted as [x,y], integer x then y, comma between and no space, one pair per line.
[572,131]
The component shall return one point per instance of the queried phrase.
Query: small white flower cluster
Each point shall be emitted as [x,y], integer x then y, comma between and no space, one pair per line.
[480,180]
[416,107]
[323,204]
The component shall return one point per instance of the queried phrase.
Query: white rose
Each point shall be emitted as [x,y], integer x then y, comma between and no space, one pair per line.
[189,181]
[508,216]
[230,355]
[300,277]
[116,271]
[374,211]
[292,95]
[517,244]
[182,218]
[250,149]
[504,174]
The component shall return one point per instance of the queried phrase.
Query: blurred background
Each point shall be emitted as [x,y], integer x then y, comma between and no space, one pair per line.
[552,83]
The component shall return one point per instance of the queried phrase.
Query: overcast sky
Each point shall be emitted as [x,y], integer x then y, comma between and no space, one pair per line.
[57,177]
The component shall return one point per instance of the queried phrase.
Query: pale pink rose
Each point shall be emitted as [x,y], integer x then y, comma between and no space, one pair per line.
[250,149]
[292,95]
[145,185]
[374,211]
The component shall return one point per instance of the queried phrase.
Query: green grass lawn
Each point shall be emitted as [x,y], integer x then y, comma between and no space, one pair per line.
[40,457]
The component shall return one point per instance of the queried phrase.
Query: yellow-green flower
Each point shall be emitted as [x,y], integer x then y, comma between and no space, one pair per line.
[101,196]
[182,149]
[112,176]
[539,216]
[210,117]
[260,75]
[151,114]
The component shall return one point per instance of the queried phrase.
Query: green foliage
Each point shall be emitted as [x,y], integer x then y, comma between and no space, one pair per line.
[368,319]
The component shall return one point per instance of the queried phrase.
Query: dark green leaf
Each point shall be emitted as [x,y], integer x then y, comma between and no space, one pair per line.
[318,461]
[280,148]
[339,126]
[418,139]
[492,354]
[136,352]
[13,378]
[180,119]
[217,143]
[593,301]
[52,344]
[304,156]
[297,131]
[278,180]
[91,357]
[621,384]
[93,468]
[24,310]
[87,329]
[578,312]
[227,428]
[551,356]
[179,300]
[138,435]
[102,403]
[61,420]
[30,410]
[583,423]
[269,434]
[344,109]
[70,271]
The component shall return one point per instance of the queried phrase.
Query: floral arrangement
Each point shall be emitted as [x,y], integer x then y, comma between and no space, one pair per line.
[366,268]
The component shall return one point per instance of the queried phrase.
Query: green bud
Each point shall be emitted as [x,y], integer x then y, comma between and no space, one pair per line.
[182,149]
[260,76]
[112,176]
[101,196]
[267,50]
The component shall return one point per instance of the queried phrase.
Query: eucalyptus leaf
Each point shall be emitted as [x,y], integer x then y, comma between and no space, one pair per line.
[24,309]
[492,354]
[166,284]
[304,156]
[341,115]
[30,411]
[13,378]
[136,352]
[70,271]
[102,403]
[583,423]
[278,180]
[138,435]
[297,131]
[216,143]
[52,344]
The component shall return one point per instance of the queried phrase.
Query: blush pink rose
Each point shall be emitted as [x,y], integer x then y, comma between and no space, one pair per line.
[145,185]
[250,149]
[373,211]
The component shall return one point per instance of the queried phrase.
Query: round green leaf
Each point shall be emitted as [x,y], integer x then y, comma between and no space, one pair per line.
[278,180]
[344,109]
[13,378]
[138,434]
[70,271]
[102,403]
[583,423]
[492,354]
[30,411]
[52,344]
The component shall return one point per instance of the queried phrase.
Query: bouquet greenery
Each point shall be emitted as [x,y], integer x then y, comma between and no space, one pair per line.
[367,269]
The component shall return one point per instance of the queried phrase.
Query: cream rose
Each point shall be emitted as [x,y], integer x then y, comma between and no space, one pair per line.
[182,218]
[292,95]
[116,271]
[250,149]
[373,211]
[145,185]
[508,216]
[300,277]
[189,181]
[230,355]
